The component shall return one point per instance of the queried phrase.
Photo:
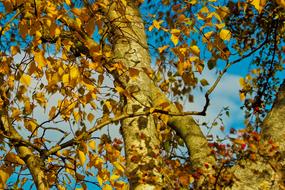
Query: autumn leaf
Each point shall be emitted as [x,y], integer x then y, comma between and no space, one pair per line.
[5,173]
[82,157]
[174,39]
[68,2]
[114,177]
[195,50]
[259,4]
[25,80]
[156,24]
[161,49]
[225,34]
[92,144]
[118,166]
[107,187]
[242,96]
[15,50]
[204,82]
[280,2]
[239,141]
[90,117]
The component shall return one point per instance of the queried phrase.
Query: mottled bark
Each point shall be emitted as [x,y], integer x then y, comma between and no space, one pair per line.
[265,173]
[273,127]
[142,146]
[130,48]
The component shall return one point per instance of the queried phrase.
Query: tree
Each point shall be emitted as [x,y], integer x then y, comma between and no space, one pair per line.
[59,56]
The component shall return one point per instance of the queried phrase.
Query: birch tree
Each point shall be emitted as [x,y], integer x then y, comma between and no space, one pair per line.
[72,68]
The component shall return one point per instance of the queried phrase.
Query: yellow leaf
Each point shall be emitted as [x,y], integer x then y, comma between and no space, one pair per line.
[161,49]
[119,89]
[14,50]
[225,34]
[156,24]
[78,22]
[239,141]
[100,180]
[32,126]
[124,2]
[242,96]
[25,80]
[151,110]
[258,4]
[5,173]
[174,39]
[41,99]
[118,166]
[281,3]
[107,187]
[204,10]
[52,112]
[74,73]
[68,2]
[92,144]
[90,117]
[114,177]
[15,113]
[65,79]
[82,157]
[195,50]
[38,34]
[175,31]
[242,82]
[76,116]
[207,36]
[57,32]
[39,59]
[60,187]
[108,105]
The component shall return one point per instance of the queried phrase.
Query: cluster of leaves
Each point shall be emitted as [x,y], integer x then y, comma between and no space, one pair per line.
[260,26]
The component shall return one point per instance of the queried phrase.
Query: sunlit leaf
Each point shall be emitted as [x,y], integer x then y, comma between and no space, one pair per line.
[90,117]
[174,39]
[15,50]
[259,4]
[161,49]
[107,187]
[225,34]
[195,50]
[82,157]
[92,144]
[25,80]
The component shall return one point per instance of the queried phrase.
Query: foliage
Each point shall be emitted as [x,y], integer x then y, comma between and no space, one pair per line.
[60,86]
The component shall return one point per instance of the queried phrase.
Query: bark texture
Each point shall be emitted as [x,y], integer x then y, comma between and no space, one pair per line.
[274,126]
[140,135]
[130,48]
[265,173]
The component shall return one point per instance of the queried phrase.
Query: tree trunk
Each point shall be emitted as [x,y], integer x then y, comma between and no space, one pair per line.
[33,162]
[264,172]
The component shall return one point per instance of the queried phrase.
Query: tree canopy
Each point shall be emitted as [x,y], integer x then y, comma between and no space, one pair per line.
[75,71]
